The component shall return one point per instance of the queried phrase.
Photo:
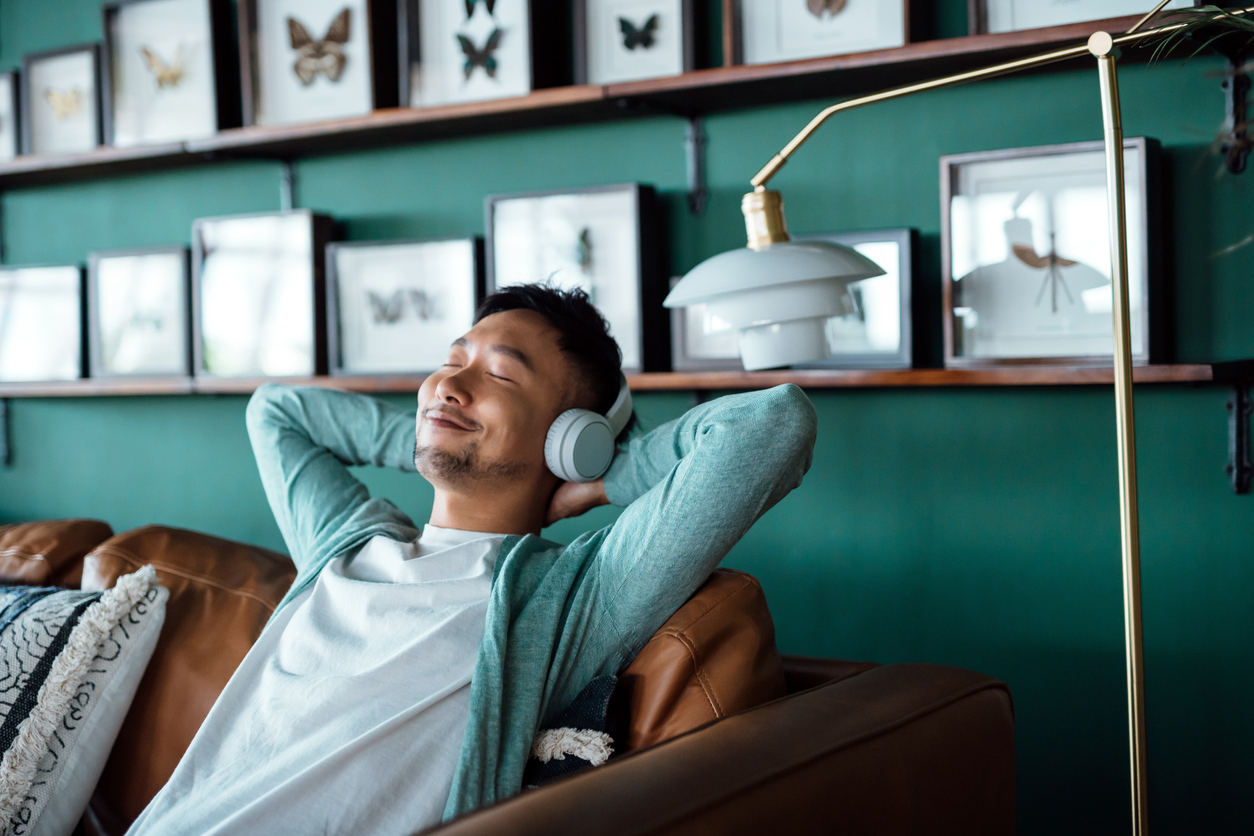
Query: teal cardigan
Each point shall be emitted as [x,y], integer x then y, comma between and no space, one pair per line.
[558,616]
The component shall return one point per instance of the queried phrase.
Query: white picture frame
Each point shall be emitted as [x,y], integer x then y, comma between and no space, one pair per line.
[41,323]
[630,40]
[61,101]
[395,307]
[138,322]
[1017,15]
[790,30]
[486,55]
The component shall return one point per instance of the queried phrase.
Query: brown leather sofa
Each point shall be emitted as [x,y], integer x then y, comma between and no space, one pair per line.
[724,735]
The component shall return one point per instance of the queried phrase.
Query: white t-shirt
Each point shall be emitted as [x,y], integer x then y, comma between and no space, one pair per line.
[348,713]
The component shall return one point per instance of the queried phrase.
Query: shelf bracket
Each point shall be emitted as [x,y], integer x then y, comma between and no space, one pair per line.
[1238,136]
[694,146]
[6,438]
[287,187]
[1239,409]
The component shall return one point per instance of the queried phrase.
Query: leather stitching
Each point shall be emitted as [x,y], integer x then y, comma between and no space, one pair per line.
[182,573]
[697,670]
[21,555]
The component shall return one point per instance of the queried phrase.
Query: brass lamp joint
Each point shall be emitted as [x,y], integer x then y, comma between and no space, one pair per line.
[764,218]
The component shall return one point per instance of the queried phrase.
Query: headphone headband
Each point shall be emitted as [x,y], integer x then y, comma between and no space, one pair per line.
[620,412]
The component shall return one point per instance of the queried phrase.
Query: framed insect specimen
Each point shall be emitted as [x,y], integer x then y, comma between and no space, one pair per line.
[1016,15]
[626,40]
[258,295]
[395,307]
[41,323]
[606,240]
[309,60]
[472,50]
[170,72]
[139,312]
[10,137]
[1026,255]
[766,31]
[61,101]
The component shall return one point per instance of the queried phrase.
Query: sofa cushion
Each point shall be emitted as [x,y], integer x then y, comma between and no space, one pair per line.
[715,656]
[222,594]
[49,552]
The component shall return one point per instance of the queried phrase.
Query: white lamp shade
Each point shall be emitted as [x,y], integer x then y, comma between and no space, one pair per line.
[778,297]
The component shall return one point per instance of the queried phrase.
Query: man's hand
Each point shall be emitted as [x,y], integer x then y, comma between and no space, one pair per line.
[574,498]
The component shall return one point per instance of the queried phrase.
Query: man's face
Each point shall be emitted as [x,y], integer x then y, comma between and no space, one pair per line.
[483,417]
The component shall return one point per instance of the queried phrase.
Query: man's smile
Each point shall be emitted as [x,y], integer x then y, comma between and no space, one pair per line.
[447,418]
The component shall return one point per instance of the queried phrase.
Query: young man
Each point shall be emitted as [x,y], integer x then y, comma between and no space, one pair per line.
[403,677]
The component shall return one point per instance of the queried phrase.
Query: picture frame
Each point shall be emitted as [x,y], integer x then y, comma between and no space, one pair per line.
[1006,304]
[259,295]
[315,60]
[41,323]
[395,307]
[10,110]
[989,16]
[501,49]
[170,71]
[139,312]
[879,336]
[60,112]
[605,239]
[771,31]
[630,40]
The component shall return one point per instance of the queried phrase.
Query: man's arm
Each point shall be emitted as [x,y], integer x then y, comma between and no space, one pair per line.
[693,487]
[304,439]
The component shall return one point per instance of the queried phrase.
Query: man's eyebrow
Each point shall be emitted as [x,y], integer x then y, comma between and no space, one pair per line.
[500,348]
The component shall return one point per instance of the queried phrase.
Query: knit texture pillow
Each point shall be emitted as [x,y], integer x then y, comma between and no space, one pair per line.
[70,662]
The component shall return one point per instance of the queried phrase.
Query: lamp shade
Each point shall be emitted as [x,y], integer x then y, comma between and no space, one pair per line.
[778,297]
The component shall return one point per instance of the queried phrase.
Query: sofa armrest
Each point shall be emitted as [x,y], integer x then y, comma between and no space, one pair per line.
[896,749]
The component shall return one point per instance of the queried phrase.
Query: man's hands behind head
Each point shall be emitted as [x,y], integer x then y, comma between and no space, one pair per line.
[574,498]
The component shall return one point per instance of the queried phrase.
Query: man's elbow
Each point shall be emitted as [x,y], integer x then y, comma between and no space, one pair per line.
[794,424]
[263,408]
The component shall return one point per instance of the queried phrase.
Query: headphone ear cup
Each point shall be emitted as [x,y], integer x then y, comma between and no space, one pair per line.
[579,446]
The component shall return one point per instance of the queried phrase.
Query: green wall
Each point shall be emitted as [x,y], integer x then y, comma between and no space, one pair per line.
[973,527]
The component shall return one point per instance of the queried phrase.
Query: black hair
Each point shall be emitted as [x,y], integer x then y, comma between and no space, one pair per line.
[583,335]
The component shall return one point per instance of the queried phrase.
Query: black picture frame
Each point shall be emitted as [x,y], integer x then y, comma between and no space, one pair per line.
[1153,282]
[226,65]
[13,99]
[977,16]
[335,359]
[381,20]
[693,19]
[321,232]
[653,331]
[93,102]
[94,336]
[81,318]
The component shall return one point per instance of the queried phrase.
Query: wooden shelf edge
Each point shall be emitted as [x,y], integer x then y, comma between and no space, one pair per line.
[1196,373]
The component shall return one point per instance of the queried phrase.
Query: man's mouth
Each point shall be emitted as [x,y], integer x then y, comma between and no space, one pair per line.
[446,419]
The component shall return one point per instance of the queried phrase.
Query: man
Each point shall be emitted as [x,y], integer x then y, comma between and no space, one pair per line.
[403,677]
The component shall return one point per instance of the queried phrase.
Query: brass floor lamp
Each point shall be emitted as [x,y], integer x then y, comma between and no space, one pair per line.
[772,267]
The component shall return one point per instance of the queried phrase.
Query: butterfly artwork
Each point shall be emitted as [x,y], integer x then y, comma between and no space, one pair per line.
[818,8]
[471,4]
[167,74]
[325,56]
[485,57]
[638,36]
[66,104]
[390,310]
[583,251]
[1052,264]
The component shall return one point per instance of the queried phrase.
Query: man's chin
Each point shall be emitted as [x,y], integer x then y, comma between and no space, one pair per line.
[462,466]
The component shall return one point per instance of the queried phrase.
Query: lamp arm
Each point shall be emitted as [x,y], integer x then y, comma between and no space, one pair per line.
[772,168]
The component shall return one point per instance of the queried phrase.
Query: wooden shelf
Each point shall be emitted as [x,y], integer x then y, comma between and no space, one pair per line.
[692,93]
[1242,370]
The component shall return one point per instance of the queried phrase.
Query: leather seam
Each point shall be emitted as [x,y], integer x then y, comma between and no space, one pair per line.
[699,673]
[137,562]
[21,555]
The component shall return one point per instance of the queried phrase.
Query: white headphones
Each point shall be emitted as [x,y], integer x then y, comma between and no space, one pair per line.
[580,444]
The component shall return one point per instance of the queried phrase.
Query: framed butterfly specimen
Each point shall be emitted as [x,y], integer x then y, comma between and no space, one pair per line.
[627,40]
[41,323]
[766,31]
[1026,255]
[258,295]
[607,240]
[170,71]
[471,50]
[60,111]
[10,136]
[139,312]
[1016,15]
[309,60]
[395,307]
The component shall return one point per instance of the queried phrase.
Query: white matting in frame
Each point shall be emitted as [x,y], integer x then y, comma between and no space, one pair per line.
[161,66]
[139,313]
[40,323]
[788,30]
[465,58]
[313,61]
[1014,15]
[9,141]
[400,305]
[589,240]
[634,39]
[62,102]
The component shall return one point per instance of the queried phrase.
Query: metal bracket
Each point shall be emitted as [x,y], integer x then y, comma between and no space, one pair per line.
[6,439]
[1238,137]
[694,144]
[287,187]
[1239,408]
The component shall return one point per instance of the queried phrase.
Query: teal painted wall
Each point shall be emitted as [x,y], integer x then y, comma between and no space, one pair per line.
[960,526]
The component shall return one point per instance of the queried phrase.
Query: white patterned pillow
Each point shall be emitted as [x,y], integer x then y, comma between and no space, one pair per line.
[70,663]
